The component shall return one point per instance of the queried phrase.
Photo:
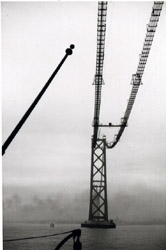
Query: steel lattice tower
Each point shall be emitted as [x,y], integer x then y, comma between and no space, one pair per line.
[98,209]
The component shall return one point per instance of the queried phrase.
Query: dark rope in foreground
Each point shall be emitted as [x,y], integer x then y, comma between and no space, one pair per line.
[37,237]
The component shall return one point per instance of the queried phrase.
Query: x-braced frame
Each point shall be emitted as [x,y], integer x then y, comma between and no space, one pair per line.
[98,209]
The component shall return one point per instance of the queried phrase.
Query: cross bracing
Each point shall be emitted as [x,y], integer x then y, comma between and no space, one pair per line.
[98,209]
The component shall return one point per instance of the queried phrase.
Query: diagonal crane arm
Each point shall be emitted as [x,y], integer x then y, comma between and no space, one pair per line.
[137,78]
[68,52]
[98,80]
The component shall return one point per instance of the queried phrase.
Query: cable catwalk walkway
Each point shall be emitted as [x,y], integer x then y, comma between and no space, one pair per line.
[98,197]
[137,77]
[98,81]
[98,206]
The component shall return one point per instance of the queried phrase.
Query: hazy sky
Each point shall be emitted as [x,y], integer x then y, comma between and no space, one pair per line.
[49,159]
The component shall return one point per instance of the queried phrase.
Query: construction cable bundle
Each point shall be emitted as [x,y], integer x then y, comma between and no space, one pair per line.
[137,77]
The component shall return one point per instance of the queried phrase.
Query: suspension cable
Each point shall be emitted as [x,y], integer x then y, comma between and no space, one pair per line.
[98,80]
[137,78]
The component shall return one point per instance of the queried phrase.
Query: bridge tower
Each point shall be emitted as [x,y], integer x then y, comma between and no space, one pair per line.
[98,208]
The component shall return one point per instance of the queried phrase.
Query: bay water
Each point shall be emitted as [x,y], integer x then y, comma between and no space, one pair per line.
[135,237]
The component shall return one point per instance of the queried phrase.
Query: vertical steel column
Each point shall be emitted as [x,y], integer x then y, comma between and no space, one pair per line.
[105,170]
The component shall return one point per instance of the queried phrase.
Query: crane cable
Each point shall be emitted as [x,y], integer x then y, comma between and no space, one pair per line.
[137,78]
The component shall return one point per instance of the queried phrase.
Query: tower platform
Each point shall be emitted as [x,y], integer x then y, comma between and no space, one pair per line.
[99,224]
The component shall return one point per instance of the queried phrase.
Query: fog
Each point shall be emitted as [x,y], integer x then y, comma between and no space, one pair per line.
[139,205]
[46,169]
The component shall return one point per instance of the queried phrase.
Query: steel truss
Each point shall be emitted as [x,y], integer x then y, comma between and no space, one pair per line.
[98,209]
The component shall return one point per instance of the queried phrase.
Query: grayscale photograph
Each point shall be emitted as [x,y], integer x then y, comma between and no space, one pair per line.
[83,125]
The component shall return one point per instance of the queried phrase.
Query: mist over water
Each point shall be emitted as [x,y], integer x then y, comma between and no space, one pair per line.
[139,205]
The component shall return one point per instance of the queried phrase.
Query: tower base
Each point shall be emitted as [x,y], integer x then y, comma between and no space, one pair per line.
[99,224]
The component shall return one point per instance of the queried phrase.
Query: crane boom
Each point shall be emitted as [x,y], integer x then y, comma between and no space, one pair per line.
[35,102]
[98,80]
[137,78]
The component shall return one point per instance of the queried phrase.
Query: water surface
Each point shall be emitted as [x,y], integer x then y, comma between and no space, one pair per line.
[150,237]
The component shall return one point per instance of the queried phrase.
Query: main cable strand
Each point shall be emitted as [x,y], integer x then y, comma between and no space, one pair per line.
[137,78]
